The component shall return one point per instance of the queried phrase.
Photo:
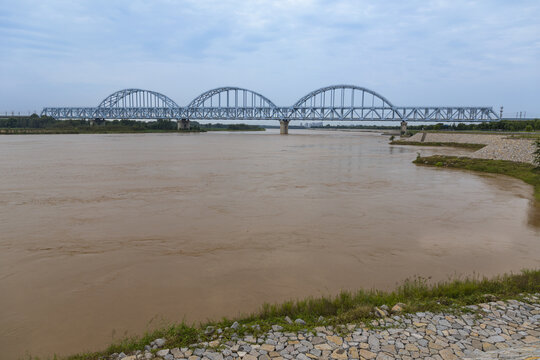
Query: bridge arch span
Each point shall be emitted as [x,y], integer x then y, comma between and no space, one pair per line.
[137,98]
[343,96]
[231,97]
[344,103]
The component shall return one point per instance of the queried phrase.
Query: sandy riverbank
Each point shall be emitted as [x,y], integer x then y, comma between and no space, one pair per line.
[498,147]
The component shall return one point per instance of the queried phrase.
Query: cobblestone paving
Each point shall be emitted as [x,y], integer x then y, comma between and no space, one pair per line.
[498,147]
[494,330]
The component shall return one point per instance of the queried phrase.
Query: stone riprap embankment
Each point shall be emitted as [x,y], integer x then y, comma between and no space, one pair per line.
[494,330]
[498,147]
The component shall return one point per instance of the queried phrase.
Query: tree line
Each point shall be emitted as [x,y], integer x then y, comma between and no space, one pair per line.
[35,121]
[503,125]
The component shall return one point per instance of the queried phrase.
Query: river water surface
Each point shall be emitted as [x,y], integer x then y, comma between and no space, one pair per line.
[107,235]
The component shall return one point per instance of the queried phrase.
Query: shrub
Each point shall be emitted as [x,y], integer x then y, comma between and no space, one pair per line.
[529,128]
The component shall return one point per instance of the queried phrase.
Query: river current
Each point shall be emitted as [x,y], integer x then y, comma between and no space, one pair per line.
[103,236]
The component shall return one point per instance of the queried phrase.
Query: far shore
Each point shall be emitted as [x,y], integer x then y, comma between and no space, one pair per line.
[490,146]
[498,154]
[69,132]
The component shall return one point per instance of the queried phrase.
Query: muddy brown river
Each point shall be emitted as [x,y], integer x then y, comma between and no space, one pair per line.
[103,236]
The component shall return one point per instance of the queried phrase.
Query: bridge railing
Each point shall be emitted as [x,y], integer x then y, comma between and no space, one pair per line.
[426,114]
[232,113]
[345,114]
[446,113]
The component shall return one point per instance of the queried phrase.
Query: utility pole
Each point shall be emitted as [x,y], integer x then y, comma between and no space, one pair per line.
[500,116]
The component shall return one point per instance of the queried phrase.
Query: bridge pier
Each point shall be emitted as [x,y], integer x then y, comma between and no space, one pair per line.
[284,126]
[183,124]
[403,130]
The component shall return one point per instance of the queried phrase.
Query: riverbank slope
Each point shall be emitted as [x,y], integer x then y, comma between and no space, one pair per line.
[497,147]
[470,318]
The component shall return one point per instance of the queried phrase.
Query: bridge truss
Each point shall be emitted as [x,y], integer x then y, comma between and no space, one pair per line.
[332,103]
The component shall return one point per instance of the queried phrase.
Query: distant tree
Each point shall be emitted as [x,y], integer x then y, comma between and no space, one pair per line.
[529,128]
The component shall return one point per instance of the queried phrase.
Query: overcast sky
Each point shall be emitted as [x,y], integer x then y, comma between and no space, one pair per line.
[75,53]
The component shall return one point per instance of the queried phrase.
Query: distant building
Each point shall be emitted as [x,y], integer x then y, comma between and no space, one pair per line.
[312,124]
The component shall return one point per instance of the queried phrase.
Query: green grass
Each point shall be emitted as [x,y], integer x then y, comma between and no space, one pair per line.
[526,172]
[451,144]
[533,136]
[348,307]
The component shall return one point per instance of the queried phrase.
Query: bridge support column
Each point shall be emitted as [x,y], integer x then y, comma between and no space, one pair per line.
[183,124]
[403,128]
[284,127]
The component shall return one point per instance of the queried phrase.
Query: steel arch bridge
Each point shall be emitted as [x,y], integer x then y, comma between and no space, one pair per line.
[331,103]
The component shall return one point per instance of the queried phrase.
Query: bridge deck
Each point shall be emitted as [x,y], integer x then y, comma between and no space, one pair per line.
[315,114]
